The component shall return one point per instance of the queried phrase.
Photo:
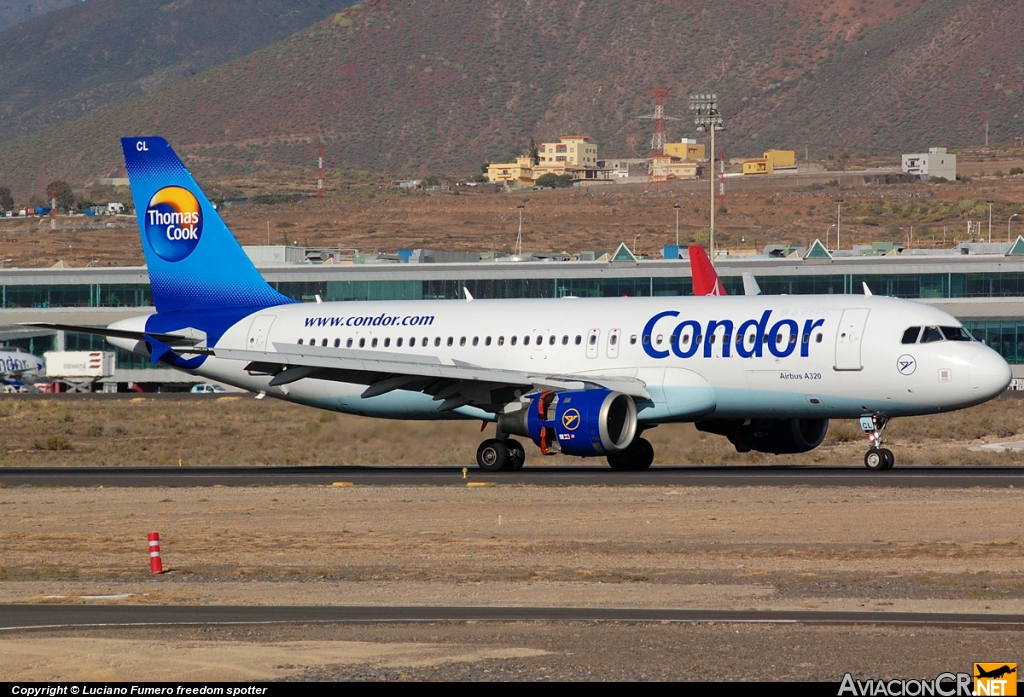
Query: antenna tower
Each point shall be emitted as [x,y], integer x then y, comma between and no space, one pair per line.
[657,166]
[320,173]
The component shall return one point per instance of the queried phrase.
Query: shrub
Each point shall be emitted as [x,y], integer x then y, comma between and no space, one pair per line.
[1016,170]
[57,442]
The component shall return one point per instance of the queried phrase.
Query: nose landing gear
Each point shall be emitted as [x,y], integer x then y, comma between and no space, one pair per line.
[876,458]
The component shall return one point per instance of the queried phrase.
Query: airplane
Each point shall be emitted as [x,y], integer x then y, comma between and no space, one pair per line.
[995,673]
[580,376]
[18,368]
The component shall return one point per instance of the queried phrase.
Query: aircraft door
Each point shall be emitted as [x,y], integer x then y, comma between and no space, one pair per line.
[259,331]
[849,337]
[593,338]
[613,343]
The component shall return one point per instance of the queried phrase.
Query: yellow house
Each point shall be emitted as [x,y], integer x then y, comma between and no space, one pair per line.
[760,165]
[780,159]
[687,149]
[518,173]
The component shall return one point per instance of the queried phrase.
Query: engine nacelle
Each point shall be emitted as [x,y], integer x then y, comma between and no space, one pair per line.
[577,422]
[777,436]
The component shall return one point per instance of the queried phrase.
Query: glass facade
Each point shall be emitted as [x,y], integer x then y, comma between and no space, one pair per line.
[937,286]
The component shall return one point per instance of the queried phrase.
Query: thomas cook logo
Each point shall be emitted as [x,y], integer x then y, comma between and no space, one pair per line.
[174,223]
[571,419]
[995,679]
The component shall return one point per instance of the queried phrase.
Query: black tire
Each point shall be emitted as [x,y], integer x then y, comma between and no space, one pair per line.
[890,459]
[516,454]
[875,460]
[637,457]
[493,456]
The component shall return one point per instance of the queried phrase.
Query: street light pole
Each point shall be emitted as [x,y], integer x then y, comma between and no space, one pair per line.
[707,117]
[676,206]
[826,234]
[1008,226]
[839,221]
[989,217]
[634,243]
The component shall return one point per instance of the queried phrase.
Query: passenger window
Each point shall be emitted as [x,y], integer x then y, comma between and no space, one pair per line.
[551,341]
[910,335]
[487,341]
[614,339]
[323,342]
[399,342]
[437,341]
[501,341]
[362,343]
[726,338]
[711,338]
[931,334]
[300,342]
[476,340]
[806,338]
[348,343]
[697,338]
[513,340]
[462,341]
[819,337]
[337,343]
[647,339]
[373,344]
[632,339]
[792,338]
[526,341]
[565,340]
[686,339]
[593,339]
[451,340]
[579,339]
[426,340]
[312,342]
[387,342]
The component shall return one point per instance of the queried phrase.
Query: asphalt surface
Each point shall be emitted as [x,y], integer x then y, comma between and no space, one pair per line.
[23,617]
[996,477]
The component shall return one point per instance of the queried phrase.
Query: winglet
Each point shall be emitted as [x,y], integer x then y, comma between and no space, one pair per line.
[750,286]
[705,279]
[867,291]
[469,296]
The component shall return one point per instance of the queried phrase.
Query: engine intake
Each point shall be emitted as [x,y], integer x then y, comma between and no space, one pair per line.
[776,436]
[586,423]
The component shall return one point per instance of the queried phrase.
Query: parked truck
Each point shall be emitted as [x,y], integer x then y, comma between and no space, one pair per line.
[79,370]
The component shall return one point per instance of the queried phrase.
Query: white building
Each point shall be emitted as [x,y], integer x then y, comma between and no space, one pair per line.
[934,163]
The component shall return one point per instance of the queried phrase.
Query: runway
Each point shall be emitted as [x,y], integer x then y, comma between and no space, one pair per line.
[34,617]
[994,477]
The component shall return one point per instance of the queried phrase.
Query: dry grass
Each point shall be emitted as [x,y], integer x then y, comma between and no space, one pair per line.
[68,431]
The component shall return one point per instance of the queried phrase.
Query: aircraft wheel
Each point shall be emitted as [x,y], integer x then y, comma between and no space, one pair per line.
[638,456]
[890,459]
[516,454]
[493,456]
[875,460]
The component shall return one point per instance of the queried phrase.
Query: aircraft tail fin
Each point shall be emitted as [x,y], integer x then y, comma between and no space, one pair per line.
[705,279]
[194,262]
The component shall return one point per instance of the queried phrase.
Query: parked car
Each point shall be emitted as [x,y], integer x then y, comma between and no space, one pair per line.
[207,388]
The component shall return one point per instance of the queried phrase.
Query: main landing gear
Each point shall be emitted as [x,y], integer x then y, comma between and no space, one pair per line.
[638,456]
[876,458]
[501,454]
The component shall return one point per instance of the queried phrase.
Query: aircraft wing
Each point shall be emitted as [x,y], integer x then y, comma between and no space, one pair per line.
[454,384]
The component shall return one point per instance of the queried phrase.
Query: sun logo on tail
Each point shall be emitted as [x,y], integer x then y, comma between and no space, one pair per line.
[174,223]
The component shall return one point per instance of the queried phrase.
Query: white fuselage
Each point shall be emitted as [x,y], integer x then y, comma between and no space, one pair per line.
[845,359]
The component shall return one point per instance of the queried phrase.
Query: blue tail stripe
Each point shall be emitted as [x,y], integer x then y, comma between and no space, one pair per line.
[195,264]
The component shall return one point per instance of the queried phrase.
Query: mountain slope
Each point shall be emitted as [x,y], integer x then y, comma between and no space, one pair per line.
[14,11]
[92,54]
[434,85]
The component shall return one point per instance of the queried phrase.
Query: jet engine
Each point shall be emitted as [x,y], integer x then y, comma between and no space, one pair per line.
[576,422]
[777,436]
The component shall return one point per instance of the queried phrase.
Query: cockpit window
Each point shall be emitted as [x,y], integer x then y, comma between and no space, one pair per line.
[931,334]
[910,336]
[956,334]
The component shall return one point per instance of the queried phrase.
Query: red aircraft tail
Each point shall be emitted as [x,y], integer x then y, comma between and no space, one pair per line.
[705,280]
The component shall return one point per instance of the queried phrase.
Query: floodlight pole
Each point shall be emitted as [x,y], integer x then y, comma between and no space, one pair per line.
[676,206]
[990,202]
[707,116]
[1007,226]
[711,179]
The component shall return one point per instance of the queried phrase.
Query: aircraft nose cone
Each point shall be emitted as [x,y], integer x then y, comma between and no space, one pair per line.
[990,374]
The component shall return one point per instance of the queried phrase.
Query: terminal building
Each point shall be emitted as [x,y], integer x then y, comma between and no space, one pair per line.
[982,285]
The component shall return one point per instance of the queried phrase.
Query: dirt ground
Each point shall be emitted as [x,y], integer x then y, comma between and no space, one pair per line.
[872,550]
[69,430]
[597,218]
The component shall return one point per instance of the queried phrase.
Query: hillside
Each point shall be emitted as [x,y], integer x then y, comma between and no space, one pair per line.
[14,11]
[425,85]
[92,54]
